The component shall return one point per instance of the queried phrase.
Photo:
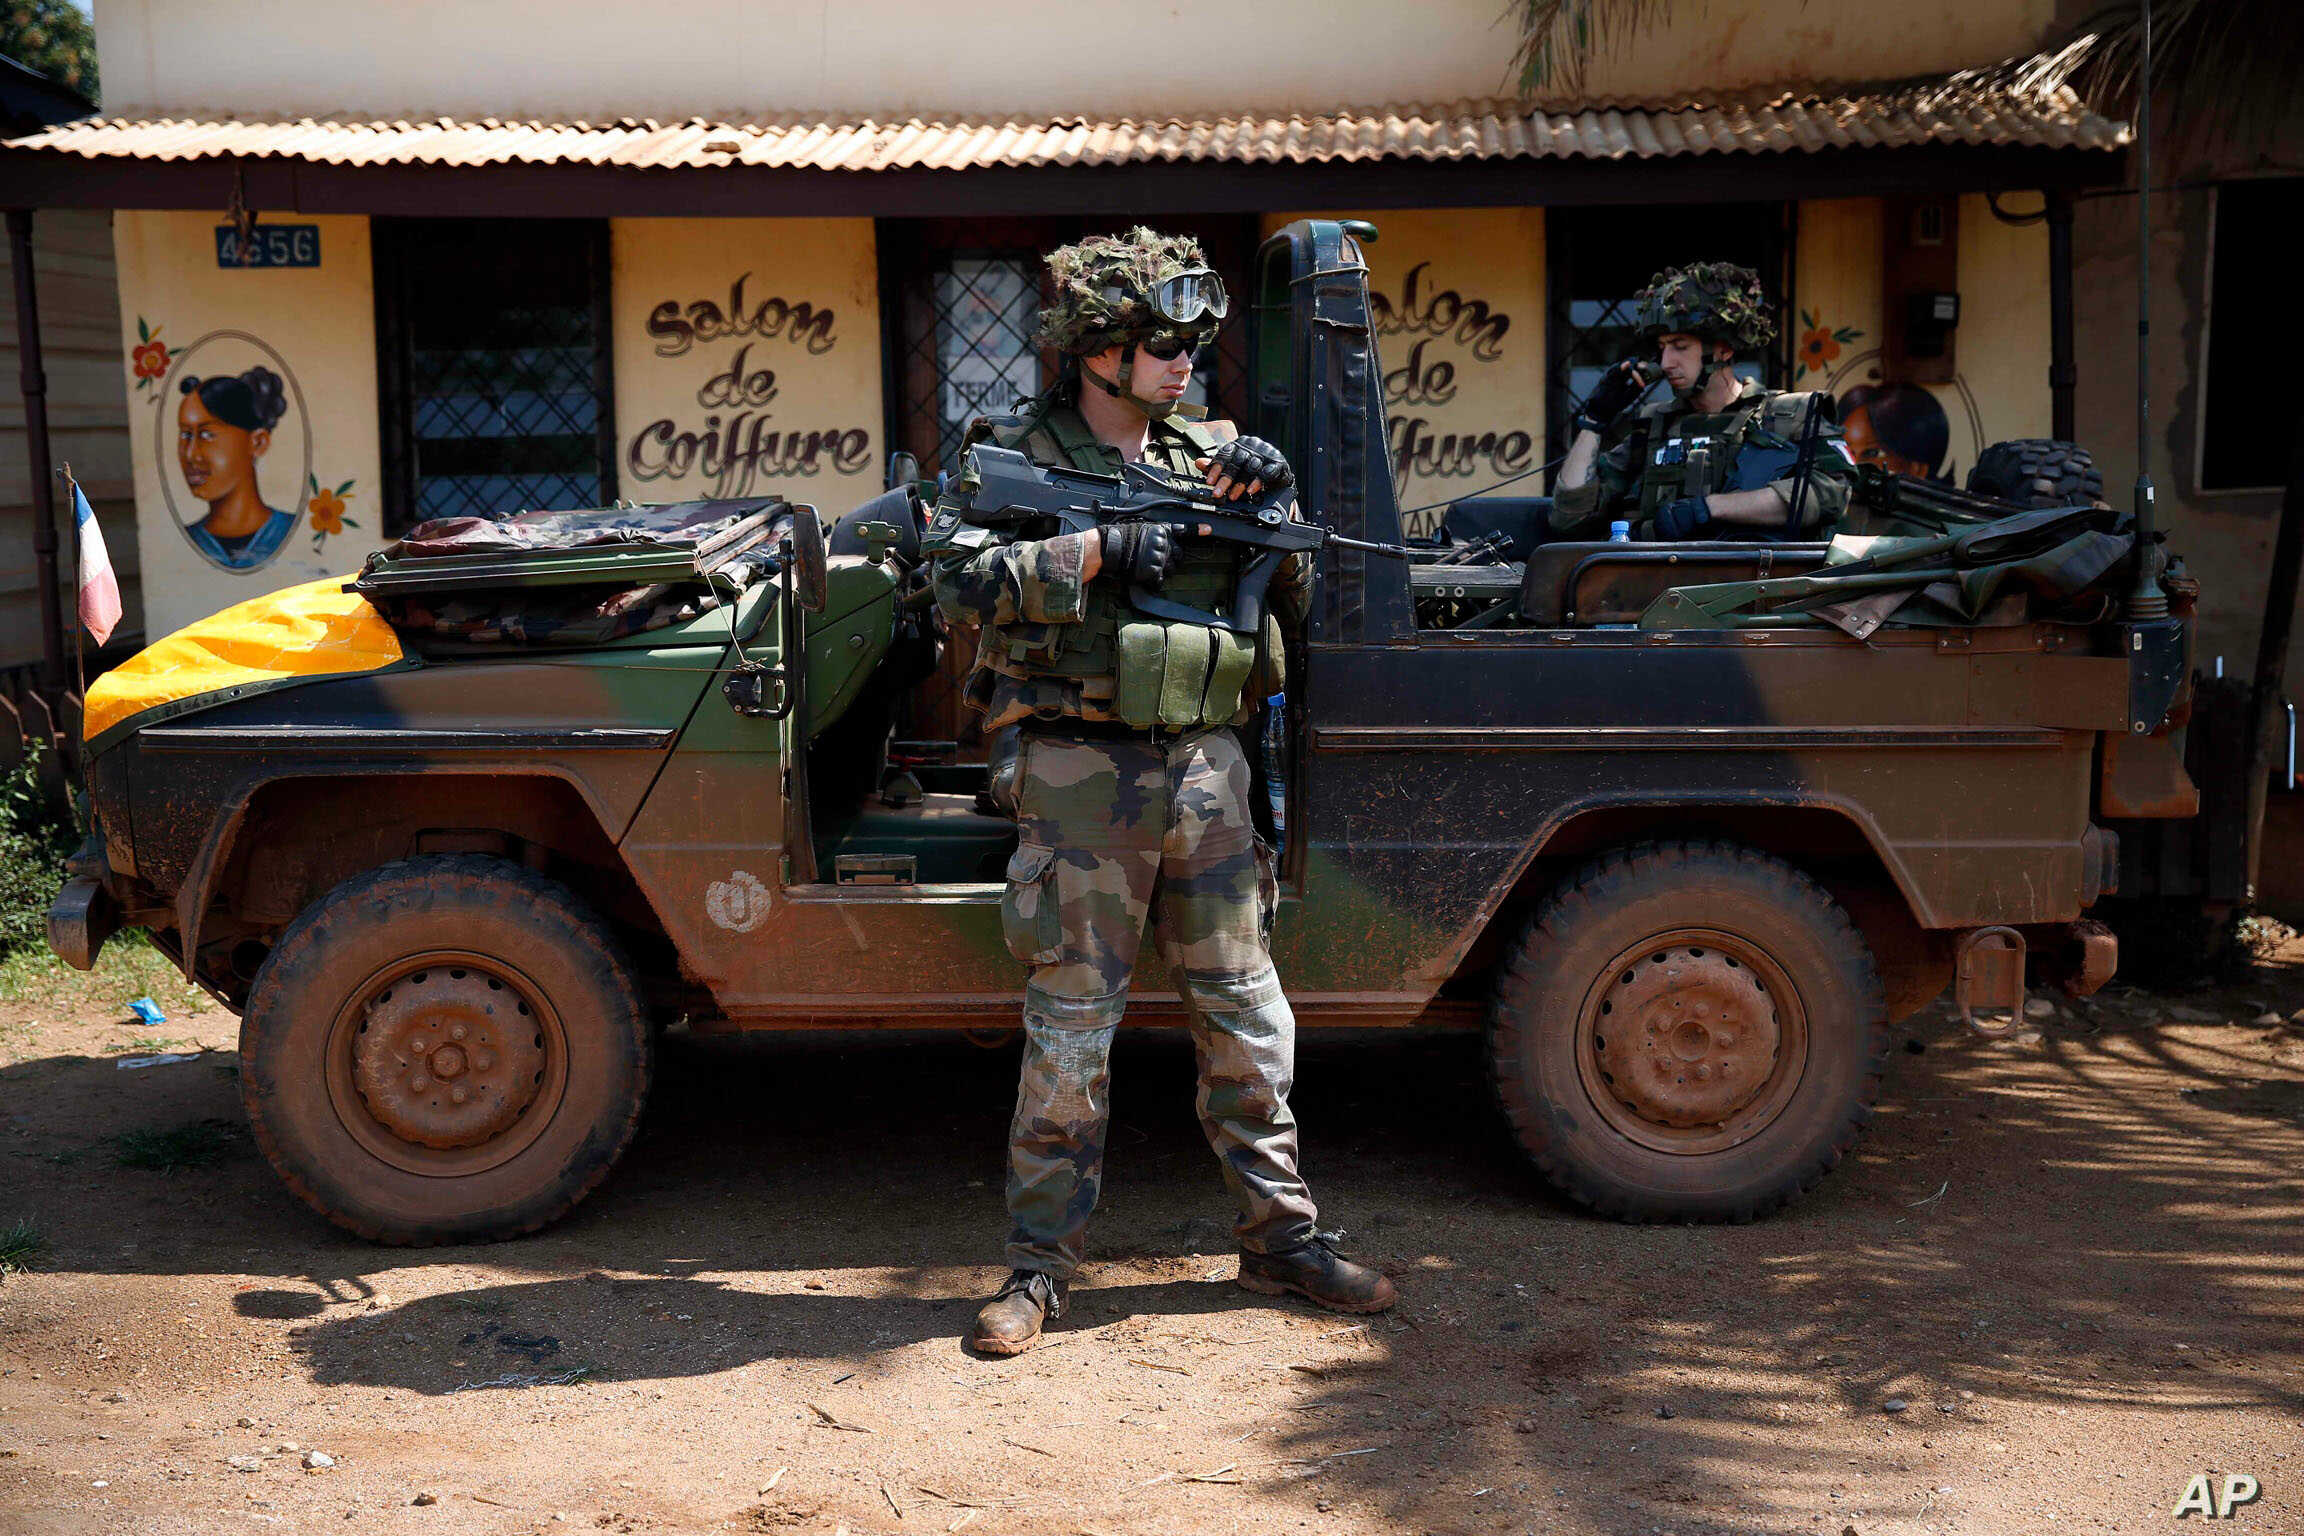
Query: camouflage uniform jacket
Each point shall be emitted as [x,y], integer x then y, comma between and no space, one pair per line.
[1649,464]
[1022,593]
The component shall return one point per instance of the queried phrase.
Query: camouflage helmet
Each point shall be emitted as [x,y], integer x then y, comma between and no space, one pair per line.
[1711,300]
[1106,286]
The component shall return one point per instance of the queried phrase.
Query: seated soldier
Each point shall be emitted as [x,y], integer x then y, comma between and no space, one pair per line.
[1721,458]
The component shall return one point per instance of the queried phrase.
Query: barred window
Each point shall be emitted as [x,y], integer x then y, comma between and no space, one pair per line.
[493,343]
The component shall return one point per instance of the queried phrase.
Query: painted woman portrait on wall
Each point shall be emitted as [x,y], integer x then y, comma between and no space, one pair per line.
[1898,426]
[224,428]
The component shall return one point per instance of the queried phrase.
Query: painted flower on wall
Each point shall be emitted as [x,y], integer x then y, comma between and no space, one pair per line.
[324,509]
[148,360]
[1820,344]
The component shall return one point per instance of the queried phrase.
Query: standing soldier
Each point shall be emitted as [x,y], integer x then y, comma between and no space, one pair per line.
[1132,790]
[1721,458]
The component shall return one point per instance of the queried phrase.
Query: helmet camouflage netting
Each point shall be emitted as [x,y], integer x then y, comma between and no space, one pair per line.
[1711,300]
[1102,286]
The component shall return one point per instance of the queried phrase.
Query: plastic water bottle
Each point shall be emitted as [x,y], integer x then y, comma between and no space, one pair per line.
[1620,533]
[1275,760]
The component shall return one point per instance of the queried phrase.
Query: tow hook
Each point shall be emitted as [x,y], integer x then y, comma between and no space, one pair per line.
[1988,974]
[81,918]
[2093,955]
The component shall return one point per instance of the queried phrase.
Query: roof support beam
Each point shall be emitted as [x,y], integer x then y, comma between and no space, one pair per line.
[2063,370]
[32,381]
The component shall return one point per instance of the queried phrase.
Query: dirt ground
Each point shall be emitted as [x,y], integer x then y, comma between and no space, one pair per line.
[2061,1277]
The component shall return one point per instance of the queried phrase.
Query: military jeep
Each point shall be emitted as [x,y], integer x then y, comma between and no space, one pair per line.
[457,838]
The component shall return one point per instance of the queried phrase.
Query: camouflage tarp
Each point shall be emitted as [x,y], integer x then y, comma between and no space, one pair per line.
[593,611]
[2012,570]
[547,615]
[680,522]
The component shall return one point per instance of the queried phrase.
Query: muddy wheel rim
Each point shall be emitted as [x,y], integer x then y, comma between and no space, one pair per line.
[1691,1041]
[447,1063]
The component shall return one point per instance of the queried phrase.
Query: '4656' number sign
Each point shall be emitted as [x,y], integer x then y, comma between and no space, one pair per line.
[269,245]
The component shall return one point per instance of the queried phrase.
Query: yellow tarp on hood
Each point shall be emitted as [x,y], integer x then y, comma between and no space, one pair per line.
[315,630]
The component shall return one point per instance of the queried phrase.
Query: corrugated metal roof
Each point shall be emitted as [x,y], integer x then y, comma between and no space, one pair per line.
[1966,108]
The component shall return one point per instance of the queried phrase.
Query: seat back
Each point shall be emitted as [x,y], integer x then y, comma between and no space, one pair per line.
[1523,520]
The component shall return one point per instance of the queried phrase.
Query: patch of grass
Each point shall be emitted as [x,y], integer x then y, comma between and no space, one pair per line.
[193,1145]
[34,839]
[128,969]
[148,1045]
[464,1303]
[19,1241]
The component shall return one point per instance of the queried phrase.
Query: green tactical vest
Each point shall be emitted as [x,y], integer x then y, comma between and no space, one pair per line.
[1163,672]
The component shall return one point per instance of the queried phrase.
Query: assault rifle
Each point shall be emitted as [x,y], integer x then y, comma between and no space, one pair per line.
[1039,501]
[1926,503]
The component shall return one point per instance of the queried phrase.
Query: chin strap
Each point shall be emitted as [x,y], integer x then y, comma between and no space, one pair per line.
[1155,410]
[1704,376]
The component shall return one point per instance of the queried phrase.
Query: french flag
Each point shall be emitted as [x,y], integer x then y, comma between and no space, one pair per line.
[99,588]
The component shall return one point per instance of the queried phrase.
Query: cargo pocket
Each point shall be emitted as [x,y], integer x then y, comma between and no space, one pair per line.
[1029,919]
[1267,891]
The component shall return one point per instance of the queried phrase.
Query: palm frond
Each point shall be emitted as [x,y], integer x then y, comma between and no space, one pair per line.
[2219,67]
[1558,37]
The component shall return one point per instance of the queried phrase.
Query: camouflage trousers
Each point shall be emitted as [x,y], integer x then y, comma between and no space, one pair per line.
[1114,833]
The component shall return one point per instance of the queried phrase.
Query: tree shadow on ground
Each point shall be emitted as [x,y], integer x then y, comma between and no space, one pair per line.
[2061,1231]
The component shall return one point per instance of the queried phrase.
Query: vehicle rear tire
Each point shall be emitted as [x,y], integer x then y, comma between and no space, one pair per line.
[2038,472]
[1687,1032]
[444,1049]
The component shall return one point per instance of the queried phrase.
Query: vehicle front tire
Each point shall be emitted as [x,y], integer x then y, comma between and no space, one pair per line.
[444,1049]
[1687,1032]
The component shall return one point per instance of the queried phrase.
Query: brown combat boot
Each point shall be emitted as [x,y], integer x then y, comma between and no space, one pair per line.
[1320,1274]
[1010,1321]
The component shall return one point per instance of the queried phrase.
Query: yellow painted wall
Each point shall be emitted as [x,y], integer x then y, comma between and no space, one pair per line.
[182,317]
[2001,345]
[1837,292]
[747,357]
[2004,318]
[1459,301]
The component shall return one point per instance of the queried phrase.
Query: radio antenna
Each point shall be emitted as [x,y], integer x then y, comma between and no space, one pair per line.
[2148,601]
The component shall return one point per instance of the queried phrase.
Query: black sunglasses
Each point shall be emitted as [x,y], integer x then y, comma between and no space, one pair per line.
[1172,345]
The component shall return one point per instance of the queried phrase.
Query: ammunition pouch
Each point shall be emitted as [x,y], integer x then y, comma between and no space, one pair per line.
[1179,675]
[1683,466]
[1159,672]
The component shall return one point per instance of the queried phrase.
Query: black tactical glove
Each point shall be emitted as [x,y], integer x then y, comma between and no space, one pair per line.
[1138,554]
[1686,518]
[1613,395]
[1248,459]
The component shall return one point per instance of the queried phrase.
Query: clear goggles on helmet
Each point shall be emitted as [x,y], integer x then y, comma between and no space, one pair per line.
[1188,296]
